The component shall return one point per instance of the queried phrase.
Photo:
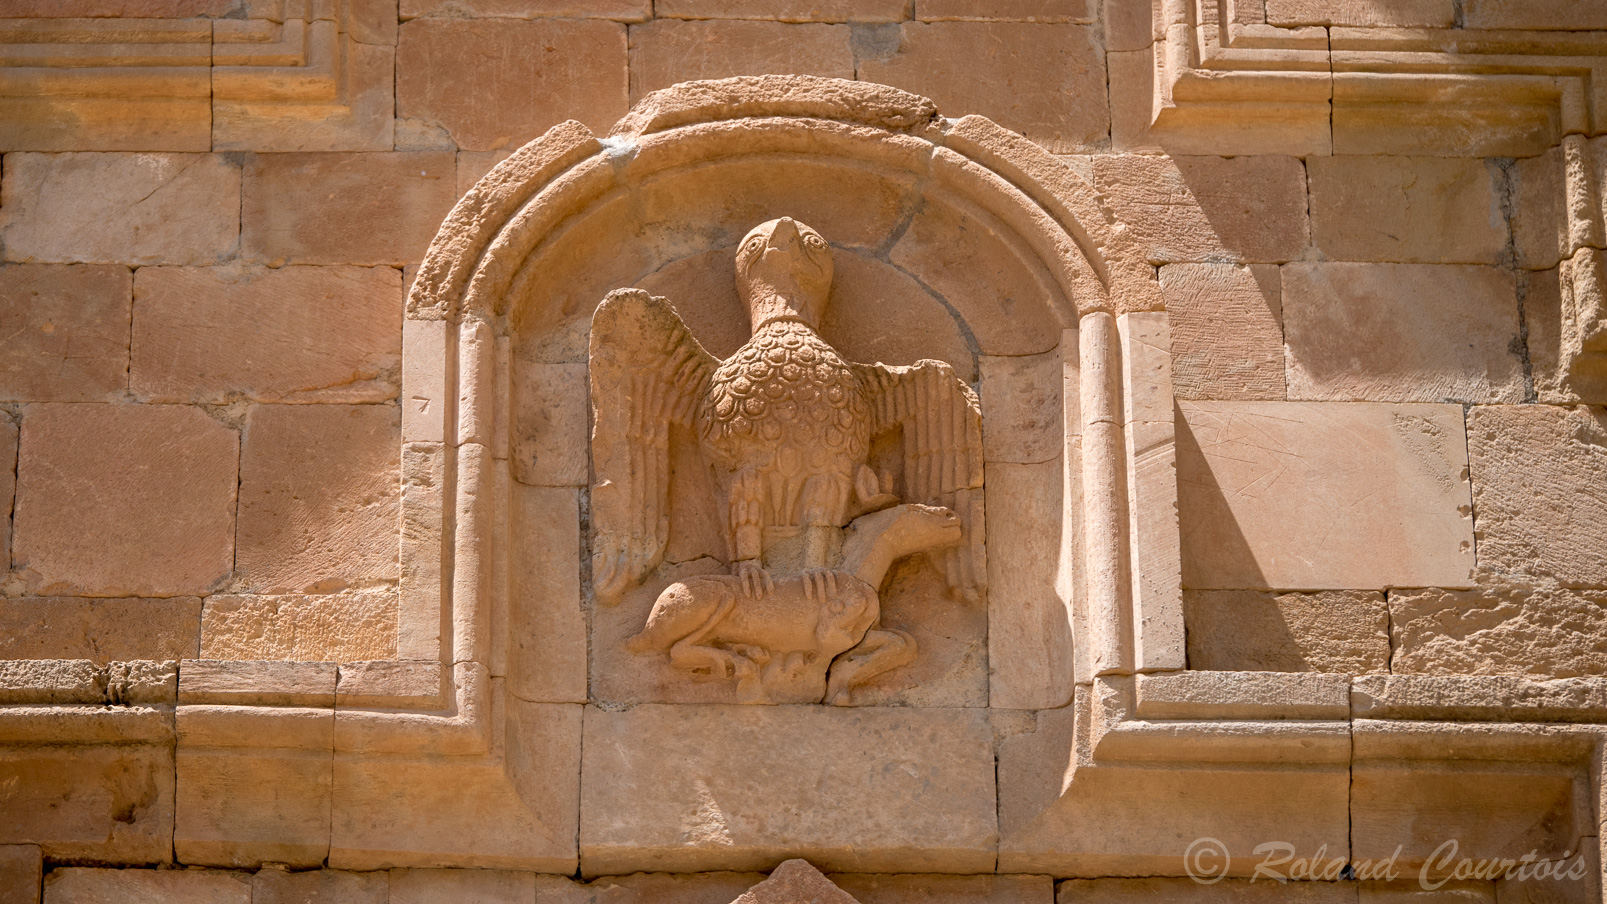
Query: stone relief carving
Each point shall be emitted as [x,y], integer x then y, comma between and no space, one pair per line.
[786,427]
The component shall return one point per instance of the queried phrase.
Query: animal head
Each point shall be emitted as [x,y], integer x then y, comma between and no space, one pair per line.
[784,272]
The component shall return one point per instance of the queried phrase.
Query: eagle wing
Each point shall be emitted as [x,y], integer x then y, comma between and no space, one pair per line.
[647,373]
[942,425]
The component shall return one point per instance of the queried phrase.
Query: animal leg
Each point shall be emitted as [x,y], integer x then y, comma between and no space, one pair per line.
[690,654]
[746,513]
[882,649]
[825,506]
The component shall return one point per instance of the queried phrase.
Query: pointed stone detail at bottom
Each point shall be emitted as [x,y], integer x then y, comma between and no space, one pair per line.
[795,882]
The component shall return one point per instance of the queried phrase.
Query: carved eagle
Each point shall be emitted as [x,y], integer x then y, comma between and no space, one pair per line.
[786,423]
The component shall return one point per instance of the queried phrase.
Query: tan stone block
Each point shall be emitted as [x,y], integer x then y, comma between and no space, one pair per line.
[1021,408]
[1541,633]
[120,208]
[1251,630]
[1484,698]
[1030,650]
[1401,333]
[619,10]
[647,888]
[580,69]
[551,426]
[99,803]
[474,165]
[1540,299]
[1242,695]
[1540,221]
[1227,330]
[424,392]
[795,880]
[1130,26]
[451,886]
[389,683]
[249,114]
[345,208]
[785,11]
[64,333]
[318,497]
[1131,74]
[423,552]
[344,627]
[83,681]
[546,623]
[1395,14]
[260,683]
[325,886]
[20,873]
[938,889]
[668,51]
[1411,891]
[101,631]
[1535,472]
[253,785]
[150,9]
[742,787]
[8,483]
[1189,891]
[1547,14]
[518,811]
[1207,208]
[80,885]
[151,514]
[1083,11]
[1436,210]
[294,334]
[1323,496]
[1044,81]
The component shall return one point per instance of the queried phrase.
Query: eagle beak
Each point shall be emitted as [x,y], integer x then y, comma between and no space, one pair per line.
[785,236]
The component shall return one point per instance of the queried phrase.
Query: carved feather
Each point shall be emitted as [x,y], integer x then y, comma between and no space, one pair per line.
[647,374]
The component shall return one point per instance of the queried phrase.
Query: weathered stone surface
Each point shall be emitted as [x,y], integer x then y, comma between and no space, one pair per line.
[721,787]
[1411,891]
[1537,508]
[1184,209]
[101,631]
[1396,14]
[318,497]
[63,332]
[120,208]
[257,683]
[1188,891]
[1044,81]
[668,51]
[1021,408]
[20,873]
[327,208]
[546,620]
[325,886]
[84,681]
[95,802]
[1030,649]
[1442,210]
[785,10]
[938,889]
[1535,632]
[293,334]
[1007,10]
[647,888]
[1323,496]
[621,10]
[149,514]
[344,627]
[551,426]
[8,482]
[580,71]
[1227,330]
[1557,14]
[78,885]
[1402,333]
[1251,630]
[1242,695]
[795,880]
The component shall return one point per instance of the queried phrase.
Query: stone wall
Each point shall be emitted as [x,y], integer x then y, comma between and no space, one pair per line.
[1375,230]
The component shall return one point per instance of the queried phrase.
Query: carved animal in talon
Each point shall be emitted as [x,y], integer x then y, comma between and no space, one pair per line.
[786,424]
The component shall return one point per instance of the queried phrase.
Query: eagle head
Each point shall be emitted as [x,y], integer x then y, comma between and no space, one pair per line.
[784,273]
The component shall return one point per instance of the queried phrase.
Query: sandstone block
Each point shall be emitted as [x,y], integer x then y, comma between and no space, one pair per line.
[64,332]
[1540,633]
[324,886]
[1021,408]
[1207,208]
[99,630]
[620,10]
[1188,891]
[80,885]
[1227,330]
[101,803]
[1007,10]
[1044,81]
[1401,333]
[1398,14]
[937,889]
[795,880]
[702,788]
[259,683]
[1411,891]
[8,482]
[1436,210]
[20,873]
[1338,631]
[120,208]
[1242,695]
[647,888]
[318,497]
[785,11]
[419,609]
[344,627]
[1323,496]
[1536,508]
[388,683]
[580,67]
[344,208]
[551,426]
[1541,224]
[148,514]
[1030,650]
[546,621]
[474,165]
[294,334]
[451,886]
[1550,14]
[668,51]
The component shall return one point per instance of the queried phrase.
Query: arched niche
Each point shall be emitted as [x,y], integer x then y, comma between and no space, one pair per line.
[954,240]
